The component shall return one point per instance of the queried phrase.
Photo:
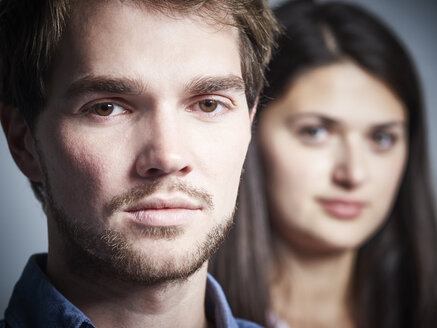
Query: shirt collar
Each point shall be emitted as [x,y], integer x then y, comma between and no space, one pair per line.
[35,302]
[216,307]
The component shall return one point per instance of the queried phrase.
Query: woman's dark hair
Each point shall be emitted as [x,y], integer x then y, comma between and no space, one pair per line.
[395,277]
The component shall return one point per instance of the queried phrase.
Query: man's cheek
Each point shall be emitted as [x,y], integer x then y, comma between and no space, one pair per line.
[228,173]
[77,175]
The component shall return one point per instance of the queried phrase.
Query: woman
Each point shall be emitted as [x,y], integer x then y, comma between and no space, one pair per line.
[335,225]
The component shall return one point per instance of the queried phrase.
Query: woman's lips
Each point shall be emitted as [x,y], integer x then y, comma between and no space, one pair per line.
[342,209]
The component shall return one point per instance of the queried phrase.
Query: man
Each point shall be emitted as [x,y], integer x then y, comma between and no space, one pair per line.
[132,120]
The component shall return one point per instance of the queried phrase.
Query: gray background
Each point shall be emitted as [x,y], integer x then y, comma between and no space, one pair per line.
[22,222]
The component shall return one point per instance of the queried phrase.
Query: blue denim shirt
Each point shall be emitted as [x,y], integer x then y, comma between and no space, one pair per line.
[35,303]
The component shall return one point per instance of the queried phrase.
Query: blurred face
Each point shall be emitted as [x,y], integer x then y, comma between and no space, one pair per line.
[136,138]
[334,148]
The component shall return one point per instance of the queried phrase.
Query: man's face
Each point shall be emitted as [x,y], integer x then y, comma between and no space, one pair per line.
[142,139]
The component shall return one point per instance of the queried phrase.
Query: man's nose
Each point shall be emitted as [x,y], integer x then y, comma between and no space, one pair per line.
[163,150]
[350,168]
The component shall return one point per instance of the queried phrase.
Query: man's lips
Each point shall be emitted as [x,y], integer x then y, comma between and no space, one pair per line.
[164,211]
[342,208]
[163,202]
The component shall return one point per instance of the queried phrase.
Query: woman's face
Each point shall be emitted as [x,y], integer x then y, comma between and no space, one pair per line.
[334,148]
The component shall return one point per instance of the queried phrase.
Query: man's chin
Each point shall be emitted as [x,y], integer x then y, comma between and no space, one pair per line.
[111,255]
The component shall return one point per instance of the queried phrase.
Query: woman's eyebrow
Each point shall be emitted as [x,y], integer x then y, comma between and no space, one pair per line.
[323,118]
[389,125]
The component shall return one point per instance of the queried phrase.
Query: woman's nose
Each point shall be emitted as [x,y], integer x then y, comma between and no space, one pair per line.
[350,169]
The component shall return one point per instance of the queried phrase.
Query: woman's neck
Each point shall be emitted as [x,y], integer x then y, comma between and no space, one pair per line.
[311,290]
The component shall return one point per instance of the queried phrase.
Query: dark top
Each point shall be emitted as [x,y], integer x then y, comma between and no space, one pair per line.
[36,303]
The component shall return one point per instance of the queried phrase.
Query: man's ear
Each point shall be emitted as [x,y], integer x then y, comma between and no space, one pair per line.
[252,111]
[20,141]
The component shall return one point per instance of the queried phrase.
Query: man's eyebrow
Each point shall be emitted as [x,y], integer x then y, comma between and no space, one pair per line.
[211,84]
[104,84]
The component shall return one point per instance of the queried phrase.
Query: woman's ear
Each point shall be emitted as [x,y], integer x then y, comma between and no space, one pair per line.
[21,142]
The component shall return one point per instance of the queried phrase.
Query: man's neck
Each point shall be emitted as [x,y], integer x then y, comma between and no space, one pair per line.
[108,303]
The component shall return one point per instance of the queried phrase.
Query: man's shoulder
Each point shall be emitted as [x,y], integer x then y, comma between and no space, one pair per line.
[2,324]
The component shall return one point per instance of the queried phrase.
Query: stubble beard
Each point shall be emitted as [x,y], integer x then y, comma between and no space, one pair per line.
[110,254]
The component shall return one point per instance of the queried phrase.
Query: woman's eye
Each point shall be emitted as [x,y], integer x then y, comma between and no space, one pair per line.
[313,134]
[383,140]
[107,109]
[208,105]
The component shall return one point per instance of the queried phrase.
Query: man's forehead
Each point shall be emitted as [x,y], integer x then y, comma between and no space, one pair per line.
[214,13]
[124,22]
[119,48]
[99,16]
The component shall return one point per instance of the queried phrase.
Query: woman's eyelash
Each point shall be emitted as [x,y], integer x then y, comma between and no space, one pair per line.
[384,139]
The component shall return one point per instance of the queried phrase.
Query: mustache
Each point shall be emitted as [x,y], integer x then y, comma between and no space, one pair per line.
[139,192]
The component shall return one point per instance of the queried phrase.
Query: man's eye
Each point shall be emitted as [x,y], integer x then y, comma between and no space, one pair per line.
[383,140]
[208,105]
[107,109]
